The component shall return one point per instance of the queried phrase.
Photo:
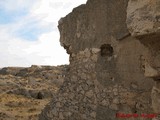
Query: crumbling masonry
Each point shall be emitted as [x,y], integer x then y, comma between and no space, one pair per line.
[114,61]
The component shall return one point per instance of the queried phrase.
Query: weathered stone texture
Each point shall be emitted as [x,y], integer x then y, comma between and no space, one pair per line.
[143,22]
[76,99]
[91,25]
[143,17]
[107,62]
[84,95]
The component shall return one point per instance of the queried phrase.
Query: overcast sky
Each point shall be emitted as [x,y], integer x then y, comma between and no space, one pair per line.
[29,33]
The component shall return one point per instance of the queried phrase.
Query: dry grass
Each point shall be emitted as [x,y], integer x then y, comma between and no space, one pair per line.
[20,107]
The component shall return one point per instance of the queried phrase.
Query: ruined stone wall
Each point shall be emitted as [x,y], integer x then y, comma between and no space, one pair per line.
[97,85]
[143,21]
[108,63]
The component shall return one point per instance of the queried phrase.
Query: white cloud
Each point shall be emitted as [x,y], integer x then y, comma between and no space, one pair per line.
[54,9]
[46,50]
[14,5]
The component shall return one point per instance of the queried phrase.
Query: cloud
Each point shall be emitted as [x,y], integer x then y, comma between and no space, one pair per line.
[31,36]
[16,5]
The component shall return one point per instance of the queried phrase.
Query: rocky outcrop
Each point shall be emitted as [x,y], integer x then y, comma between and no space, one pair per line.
[25,91]
[111,53]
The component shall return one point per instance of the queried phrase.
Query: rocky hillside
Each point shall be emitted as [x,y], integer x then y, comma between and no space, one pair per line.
[25,91]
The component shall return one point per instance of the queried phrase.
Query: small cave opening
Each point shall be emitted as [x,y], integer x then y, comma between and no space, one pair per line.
[106,50]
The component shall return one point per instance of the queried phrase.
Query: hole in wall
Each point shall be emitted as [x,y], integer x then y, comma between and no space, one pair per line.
[135,111]
[39,95]
[106,50]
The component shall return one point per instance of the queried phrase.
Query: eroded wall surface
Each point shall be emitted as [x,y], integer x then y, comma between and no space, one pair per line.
[111,65]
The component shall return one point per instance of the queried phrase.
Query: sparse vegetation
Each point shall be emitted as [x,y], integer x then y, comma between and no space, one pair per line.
[23,98]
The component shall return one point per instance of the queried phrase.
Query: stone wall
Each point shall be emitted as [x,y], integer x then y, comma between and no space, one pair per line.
[94,88]
[108,62]
[81,29]
[143,21]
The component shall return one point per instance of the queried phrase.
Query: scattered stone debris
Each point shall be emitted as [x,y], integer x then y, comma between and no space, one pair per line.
[25,91]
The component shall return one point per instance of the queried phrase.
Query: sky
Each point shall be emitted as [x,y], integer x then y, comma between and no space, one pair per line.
[29,33]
